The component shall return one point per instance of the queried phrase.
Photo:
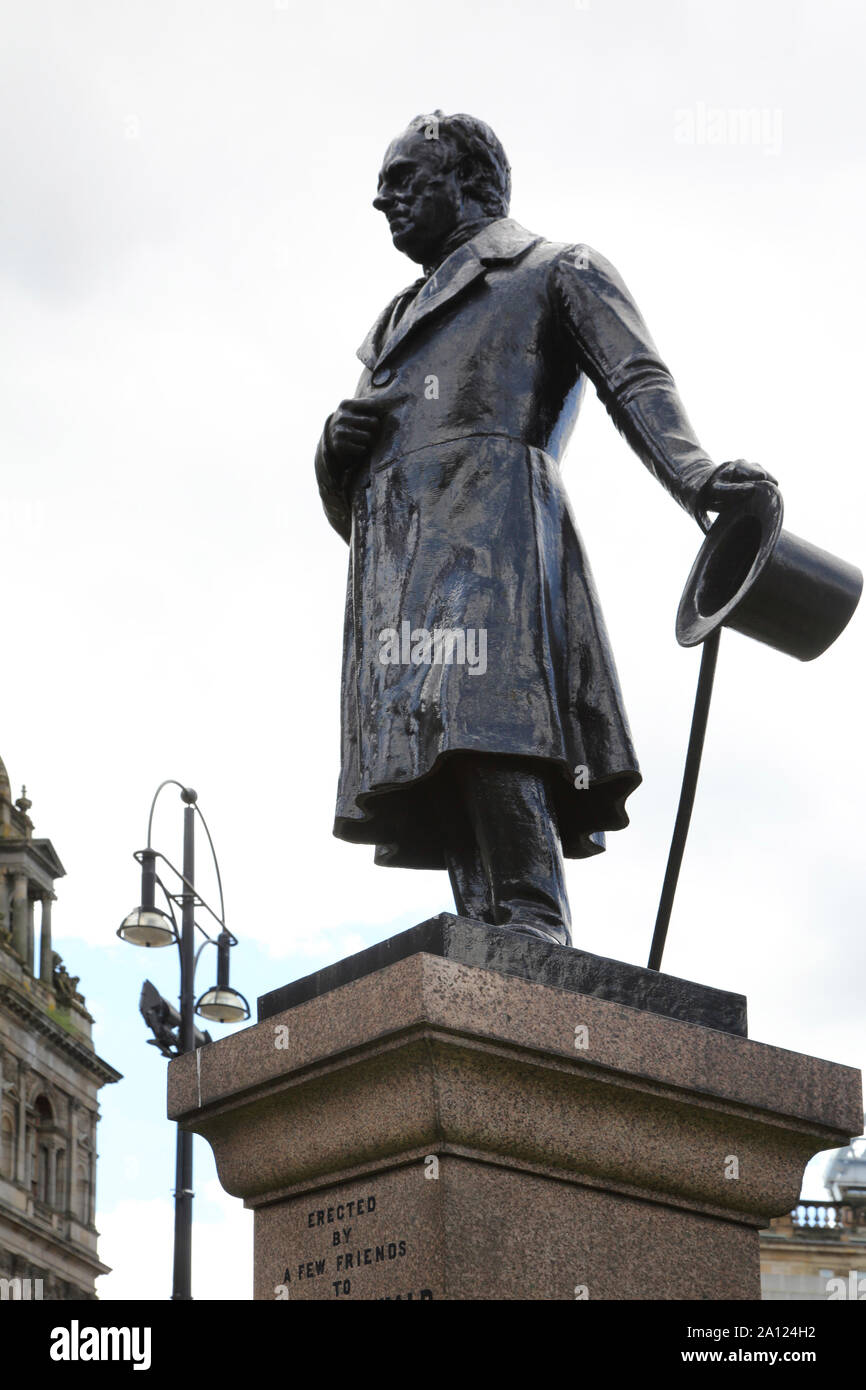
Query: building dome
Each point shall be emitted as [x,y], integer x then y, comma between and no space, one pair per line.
[5,789]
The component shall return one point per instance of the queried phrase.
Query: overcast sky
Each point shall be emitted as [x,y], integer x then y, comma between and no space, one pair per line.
[188,259]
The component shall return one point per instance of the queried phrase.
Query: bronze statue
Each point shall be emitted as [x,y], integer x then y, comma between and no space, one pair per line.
[483,729]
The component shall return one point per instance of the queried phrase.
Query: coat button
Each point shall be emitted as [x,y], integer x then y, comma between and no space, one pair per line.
[382,376]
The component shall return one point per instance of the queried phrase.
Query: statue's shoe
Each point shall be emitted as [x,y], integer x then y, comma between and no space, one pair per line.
[560,936]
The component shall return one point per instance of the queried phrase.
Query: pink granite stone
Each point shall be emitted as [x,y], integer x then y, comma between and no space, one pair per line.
[580,1144]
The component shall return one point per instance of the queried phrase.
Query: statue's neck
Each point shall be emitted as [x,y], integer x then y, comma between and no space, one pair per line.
[465,232]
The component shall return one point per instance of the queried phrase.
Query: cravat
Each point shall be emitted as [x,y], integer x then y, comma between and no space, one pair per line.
[404,300]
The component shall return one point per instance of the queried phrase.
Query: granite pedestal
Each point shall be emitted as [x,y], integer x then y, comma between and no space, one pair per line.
[458,1114]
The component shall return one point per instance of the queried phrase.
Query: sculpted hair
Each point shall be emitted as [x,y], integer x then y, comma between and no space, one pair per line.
[481,160]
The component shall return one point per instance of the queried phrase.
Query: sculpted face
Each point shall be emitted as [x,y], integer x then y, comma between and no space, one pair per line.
[420,195]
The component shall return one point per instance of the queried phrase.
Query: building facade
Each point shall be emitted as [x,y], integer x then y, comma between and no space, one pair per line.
[815,1254]
[818,1251]
[50,1077]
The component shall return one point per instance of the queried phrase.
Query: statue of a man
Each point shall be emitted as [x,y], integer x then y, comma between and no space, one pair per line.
[483,729]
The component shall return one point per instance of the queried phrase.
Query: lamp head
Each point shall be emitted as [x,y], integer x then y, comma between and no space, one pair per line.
[147,926]
[223,1005]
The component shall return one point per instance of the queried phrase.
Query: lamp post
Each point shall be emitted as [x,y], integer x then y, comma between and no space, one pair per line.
[175,1032]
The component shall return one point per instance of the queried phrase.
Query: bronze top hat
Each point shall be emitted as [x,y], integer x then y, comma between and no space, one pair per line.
[752,576]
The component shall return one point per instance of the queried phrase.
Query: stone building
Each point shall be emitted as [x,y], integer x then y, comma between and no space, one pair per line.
[49,1080]
[818,1251]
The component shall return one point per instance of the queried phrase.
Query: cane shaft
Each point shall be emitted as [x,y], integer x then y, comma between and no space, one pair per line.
[687,796]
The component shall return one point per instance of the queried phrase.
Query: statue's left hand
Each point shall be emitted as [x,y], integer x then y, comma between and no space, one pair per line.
[732,483]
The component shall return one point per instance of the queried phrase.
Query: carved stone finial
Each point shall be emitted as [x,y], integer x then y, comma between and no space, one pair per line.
[65,986]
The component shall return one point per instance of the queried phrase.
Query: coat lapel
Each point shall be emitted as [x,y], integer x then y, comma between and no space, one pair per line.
[369,349]
[503,240]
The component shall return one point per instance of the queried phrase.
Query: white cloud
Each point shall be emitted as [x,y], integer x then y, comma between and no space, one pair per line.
[137,1241]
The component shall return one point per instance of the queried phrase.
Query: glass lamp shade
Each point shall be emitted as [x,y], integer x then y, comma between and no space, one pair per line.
[147,926]
[223,1005]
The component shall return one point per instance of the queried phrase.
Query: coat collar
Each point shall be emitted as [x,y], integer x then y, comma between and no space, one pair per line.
[500,241]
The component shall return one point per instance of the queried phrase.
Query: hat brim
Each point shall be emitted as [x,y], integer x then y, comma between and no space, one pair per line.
[737,549]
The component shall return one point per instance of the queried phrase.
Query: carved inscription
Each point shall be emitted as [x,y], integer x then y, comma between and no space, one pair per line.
[342,1251]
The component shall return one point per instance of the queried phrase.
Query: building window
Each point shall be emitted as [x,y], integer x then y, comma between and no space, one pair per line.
[83,1186]
[43,1175]
[7,1146]
[40,1152]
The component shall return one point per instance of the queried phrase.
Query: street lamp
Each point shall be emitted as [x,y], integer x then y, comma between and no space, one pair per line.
[147,926]
[222,1003]
[175,1033]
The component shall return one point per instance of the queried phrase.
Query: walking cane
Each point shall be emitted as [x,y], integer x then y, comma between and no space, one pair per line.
[687,797]
[752,576]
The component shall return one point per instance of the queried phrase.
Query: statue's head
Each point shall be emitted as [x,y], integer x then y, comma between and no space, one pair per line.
[442,172]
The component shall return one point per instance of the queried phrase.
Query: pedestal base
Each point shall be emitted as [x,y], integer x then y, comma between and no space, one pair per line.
[442,1130]
[466,1229]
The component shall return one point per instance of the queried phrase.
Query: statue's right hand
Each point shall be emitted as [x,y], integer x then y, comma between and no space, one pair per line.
[351,430]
